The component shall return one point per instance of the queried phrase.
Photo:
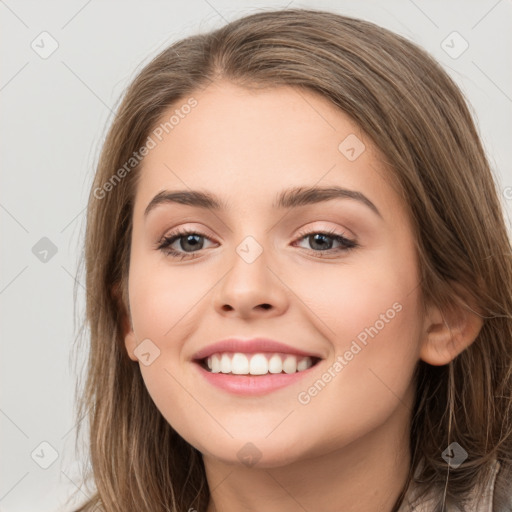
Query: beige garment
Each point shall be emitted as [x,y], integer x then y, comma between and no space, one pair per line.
[481,503]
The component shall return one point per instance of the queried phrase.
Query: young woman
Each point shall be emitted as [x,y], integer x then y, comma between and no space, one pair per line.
[299,281]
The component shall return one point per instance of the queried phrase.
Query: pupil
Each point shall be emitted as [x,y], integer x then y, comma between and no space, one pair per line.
[194,245]
[315,240]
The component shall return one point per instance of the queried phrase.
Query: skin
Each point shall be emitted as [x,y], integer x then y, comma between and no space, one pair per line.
[347,449]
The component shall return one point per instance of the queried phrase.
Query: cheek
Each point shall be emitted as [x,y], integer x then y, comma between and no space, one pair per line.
[161,297]
[371,374]
[374,333]
[162,305]
[370,313]
[379,291]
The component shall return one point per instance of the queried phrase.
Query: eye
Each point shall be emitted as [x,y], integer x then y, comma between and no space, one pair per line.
[188,240]
[190,243]
[322,241]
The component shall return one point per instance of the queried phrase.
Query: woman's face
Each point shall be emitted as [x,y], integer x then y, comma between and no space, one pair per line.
[257,270]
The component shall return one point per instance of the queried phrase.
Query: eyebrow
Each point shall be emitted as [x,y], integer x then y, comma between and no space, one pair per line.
[290,198]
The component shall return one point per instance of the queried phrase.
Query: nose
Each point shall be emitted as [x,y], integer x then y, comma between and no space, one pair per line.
[251,288]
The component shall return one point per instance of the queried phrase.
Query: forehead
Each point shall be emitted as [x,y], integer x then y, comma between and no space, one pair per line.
[242,144]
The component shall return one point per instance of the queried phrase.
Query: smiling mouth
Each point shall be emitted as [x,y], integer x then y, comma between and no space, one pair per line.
[256,364]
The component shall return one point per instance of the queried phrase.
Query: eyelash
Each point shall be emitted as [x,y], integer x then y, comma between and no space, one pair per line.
[167,241]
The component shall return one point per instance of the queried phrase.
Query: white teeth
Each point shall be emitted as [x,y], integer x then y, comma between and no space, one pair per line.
[290,364]
[225,364]
[240,364]
[275,364]
[257,364]
[303,364]
[215,363]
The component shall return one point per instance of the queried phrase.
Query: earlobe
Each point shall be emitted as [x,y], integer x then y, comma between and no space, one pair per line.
[448,332]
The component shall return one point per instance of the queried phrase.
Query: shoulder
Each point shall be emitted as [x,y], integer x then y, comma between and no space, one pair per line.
[496,497]
[503,489]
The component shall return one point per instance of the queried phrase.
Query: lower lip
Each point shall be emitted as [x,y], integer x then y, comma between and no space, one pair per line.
[252,384]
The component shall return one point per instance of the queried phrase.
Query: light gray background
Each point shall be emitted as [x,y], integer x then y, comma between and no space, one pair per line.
[53,119]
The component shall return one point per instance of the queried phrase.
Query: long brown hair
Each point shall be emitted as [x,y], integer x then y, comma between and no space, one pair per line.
[417,117]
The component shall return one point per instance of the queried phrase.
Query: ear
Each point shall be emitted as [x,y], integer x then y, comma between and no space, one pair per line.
[126,325]
[449,331]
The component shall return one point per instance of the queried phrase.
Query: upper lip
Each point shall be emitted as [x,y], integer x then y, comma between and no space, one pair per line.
[250,346]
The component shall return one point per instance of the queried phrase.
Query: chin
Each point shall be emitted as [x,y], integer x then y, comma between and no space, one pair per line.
[258,453]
